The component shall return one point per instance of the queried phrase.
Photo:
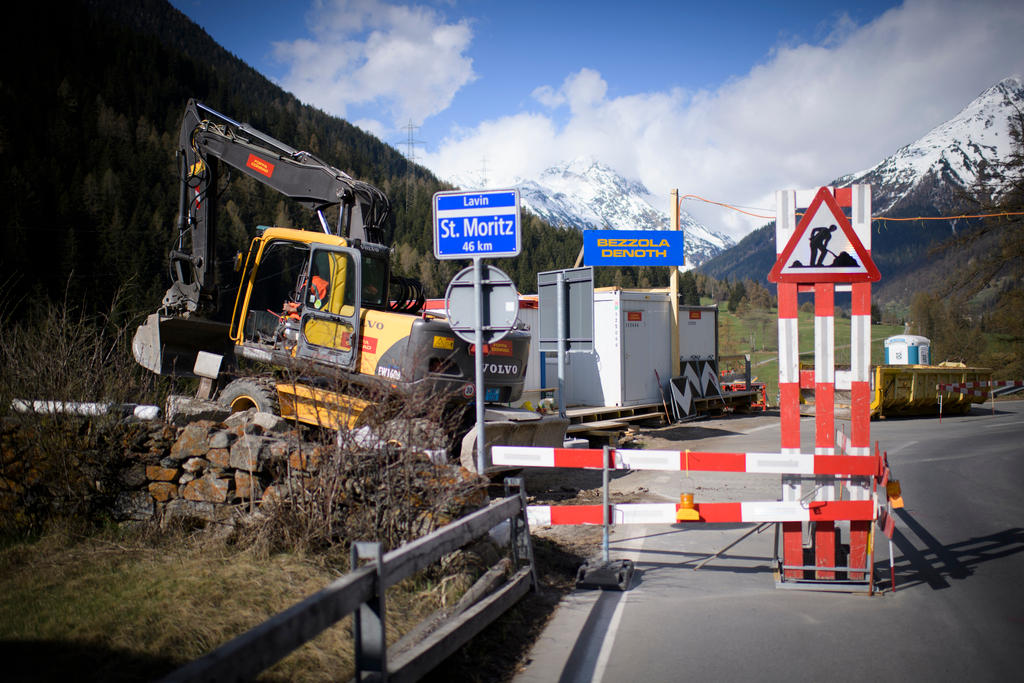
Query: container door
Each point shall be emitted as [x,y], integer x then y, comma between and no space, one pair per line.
[635,352]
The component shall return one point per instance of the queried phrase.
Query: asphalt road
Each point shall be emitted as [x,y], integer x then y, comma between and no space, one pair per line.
[957,612]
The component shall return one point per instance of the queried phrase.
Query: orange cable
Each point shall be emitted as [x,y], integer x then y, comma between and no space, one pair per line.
[873,218]
[947,218]
[728,206]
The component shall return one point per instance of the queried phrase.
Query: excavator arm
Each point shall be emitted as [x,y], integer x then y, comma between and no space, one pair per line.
[209,139]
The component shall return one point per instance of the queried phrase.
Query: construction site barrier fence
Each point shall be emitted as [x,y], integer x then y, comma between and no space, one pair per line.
[853,470]
[982,390]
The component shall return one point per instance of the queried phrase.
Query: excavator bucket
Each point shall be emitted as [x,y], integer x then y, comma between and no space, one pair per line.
[512,427]
[168,345]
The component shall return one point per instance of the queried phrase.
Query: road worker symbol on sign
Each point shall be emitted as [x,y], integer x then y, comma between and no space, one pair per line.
[824,248]
[818,242]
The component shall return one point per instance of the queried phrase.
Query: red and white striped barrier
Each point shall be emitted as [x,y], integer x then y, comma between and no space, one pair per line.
[711,513]
[980,388]
[684,461]
[826,209]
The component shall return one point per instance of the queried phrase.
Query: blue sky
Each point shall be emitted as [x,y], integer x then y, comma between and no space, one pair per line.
[730,101]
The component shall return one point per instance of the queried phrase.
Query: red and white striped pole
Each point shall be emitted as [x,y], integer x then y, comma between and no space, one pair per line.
[860,377]
[709,513]
[824,418]
[789,382]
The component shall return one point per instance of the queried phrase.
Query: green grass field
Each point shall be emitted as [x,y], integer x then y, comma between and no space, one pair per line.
[757,333]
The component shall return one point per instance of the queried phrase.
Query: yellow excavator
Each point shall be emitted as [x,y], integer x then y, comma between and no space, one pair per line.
[318,308]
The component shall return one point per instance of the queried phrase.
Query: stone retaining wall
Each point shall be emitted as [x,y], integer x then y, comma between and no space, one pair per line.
[208,466]
[200,461]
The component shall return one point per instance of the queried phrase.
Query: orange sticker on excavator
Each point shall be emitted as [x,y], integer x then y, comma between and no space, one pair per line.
[498,348]
[260,165]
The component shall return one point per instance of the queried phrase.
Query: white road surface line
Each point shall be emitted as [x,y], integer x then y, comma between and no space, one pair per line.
[903,446]
[1005,424]
[943,458]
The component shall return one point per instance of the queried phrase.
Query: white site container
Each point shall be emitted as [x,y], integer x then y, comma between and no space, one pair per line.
[631,341]
[632,335]
[698,333]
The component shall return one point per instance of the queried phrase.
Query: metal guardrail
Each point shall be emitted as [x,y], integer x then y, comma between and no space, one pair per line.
[1006,391]
[361,592]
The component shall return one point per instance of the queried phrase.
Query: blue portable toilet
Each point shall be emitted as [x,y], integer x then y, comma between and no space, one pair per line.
[907,349]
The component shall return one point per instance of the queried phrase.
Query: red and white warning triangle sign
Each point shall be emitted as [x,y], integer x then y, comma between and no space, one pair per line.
[824,248]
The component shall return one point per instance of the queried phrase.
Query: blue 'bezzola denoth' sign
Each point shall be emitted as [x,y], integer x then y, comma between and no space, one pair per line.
[633,248]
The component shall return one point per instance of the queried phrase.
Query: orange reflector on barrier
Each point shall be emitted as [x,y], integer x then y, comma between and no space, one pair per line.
[894,494]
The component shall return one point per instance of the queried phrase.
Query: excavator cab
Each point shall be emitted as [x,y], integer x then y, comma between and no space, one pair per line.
[299,297]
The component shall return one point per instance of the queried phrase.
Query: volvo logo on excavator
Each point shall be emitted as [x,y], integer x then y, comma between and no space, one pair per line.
[501,368]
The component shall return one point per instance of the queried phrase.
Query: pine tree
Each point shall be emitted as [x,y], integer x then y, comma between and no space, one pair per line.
[688,289]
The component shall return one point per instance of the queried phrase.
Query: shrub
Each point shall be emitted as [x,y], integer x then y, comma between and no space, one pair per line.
[54,461]
[390,479]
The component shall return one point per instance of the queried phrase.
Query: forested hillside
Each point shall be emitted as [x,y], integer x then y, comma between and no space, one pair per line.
[91,98]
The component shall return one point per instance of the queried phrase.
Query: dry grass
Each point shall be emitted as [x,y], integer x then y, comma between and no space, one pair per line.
[384,481]
[126,605]
[119,607]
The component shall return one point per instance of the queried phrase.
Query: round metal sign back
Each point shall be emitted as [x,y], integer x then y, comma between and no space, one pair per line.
[500,304]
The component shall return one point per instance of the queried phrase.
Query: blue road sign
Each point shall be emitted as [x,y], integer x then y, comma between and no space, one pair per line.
[633,248]
[470,224]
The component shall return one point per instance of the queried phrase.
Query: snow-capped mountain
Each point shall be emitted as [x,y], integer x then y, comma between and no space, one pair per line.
[951,154]
[929,177]
[586,194]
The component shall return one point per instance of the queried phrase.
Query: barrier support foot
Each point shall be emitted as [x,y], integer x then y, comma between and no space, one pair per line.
[610,575]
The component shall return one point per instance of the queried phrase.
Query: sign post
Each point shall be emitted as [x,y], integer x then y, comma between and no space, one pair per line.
[474,225]
[644,248]
[633,248]
[673,285]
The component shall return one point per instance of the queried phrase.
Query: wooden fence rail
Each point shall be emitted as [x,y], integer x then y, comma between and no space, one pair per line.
[244,657]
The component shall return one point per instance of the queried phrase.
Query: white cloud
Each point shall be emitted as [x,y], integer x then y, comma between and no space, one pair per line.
[584,90]
[524,142]
[548,96]
[404,59]
[805,116]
